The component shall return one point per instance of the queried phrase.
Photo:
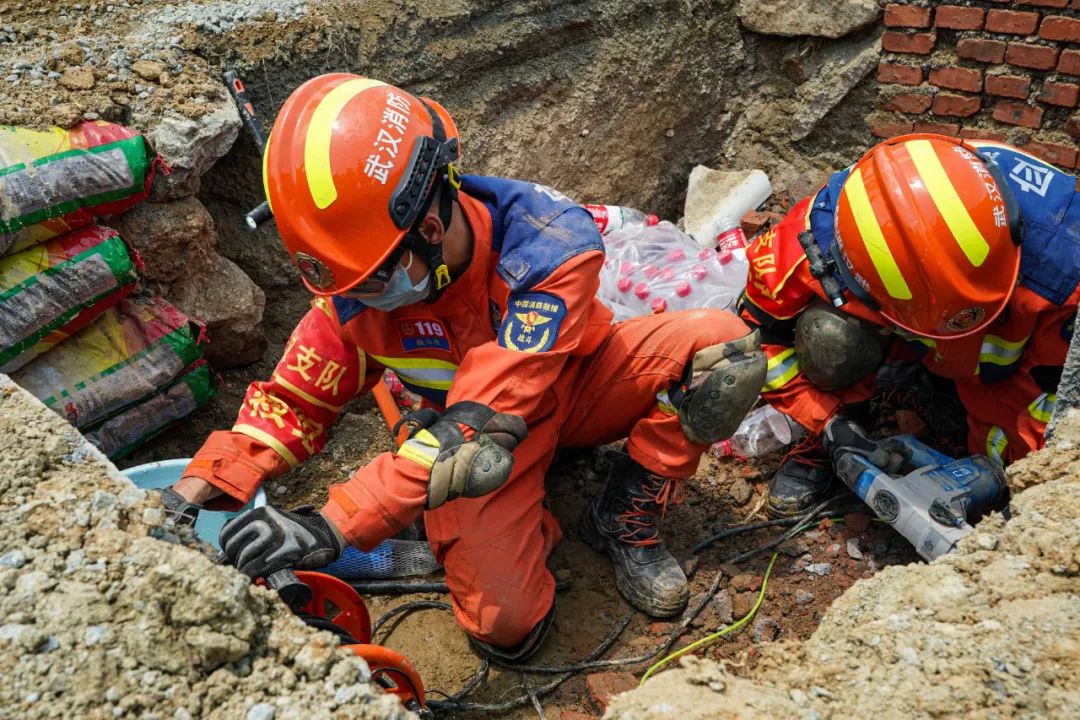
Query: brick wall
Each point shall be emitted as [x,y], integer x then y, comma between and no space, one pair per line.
[994,69]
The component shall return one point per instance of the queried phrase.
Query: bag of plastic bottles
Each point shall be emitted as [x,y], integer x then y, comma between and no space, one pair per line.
[658,268]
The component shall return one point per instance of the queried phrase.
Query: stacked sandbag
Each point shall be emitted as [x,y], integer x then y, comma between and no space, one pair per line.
[55,181]
[127,354]
[125,431]
[53,289]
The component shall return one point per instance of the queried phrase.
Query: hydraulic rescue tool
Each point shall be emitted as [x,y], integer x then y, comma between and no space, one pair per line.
[936,502]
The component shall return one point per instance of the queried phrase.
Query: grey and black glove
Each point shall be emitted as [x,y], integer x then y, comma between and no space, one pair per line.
[178,508]
[844,437]
[262,541]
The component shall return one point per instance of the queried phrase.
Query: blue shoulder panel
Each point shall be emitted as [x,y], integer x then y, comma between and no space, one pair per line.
[347,308]
[822,214]
[534,229]
[1050,261]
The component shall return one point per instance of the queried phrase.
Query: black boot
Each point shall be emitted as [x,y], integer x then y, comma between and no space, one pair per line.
[801,481]
[621,521]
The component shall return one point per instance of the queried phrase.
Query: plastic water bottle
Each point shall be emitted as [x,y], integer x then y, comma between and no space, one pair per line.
[609,218]
[725,230]
[763,431]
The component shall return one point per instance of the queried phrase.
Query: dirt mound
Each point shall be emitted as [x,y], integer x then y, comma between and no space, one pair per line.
[104,614]
[990,630]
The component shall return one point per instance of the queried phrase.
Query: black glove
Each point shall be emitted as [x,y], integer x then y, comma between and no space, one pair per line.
[264,540]
[843,436]
[177,507]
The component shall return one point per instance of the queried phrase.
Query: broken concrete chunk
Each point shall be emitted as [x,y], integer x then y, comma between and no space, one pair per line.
[172,238]
[820,18]
[231,305]
[711,197]
[832,82]
[190,147]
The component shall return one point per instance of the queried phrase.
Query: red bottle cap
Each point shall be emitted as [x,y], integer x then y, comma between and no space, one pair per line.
[676,255]
[699,272]
[624,284]
[649,271]
[659,305]
[651,220]
[683,289]
[642,290]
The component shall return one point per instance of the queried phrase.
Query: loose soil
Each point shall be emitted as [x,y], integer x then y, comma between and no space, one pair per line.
[723,493]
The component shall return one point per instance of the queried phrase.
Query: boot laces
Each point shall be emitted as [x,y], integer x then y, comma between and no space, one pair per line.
[809,451]
[646,503]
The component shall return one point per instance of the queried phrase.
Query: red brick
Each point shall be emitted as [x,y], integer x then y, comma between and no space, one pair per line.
[1015,113]
[753,221]
[1012,22]
[975,133]
[1061,94]
[912,16]
[937,128]
[603,686]
[1060,28]
[917,43]
[1038,57]
[886,128]
[912,103]
[951,105]
[1044,3]
[1056,153]
[899,74]
[1070,62]
[1072,125]
[957,17]
[989,51]
[1012,86]
[1076,5]
[956,78]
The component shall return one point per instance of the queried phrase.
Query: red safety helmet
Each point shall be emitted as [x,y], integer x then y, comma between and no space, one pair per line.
[928,234]
[350,171]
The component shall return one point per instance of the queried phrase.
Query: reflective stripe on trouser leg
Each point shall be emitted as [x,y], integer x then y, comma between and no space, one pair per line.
[996,442]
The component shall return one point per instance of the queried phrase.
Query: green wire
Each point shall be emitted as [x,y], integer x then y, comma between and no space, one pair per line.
[720,633]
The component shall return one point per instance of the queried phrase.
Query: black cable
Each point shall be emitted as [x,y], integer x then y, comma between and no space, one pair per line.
[407,608]
[543,690]
[532,696]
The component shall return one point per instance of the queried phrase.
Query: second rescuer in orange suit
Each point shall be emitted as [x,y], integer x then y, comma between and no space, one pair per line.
[486,307]
[961,256]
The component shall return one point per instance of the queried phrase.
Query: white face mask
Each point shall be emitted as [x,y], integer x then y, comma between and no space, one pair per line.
[399,291]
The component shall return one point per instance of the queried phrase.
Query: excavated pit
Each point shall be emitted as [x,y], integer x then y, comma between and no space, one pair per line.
[607,101]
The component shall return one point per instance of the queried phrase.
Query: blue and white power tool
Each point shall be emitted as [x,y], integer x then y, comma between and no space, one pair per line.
[936,502]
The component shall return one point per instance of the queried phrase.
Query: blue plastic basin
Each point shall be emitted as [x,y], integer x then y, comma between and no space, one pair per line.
[166,472]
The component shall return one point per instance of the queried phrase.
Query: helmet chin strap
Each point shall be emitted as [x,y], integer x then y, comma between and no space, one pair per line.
[438,271]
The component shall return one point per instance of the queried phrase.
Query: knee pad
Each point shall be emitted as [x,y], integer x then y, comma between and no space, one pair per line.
[460,467]
[837,350]
[720,385]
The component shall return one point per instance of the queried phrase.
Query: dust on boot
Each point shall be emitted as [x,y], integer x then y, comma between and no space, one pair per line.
[622,521]
[802,480]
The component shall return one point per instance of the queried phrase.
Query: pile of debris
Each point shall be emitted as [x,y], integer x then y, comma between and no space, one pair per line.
[101,619]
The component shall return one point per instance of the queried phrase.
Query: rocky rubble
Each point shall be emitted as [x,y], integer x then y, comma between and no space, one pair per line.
[105,614]
[990,630]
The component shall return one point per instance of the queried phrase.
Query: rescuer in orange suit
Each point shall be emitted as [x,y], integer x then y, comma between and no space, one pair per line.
[961,255]
[479,293]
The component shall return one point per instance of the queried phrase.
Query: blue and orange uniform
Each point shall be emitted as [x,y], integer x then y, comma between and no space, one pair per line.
[1006,374]
[520,330]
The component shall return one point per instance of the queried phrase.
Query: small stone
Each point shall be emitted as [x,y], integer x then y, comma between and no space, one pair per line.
[804,598]
[766,629]
[986,542]
[48,645]
[690,565]
[798,697]
[153,516]
[261,711]
[857,521]
[819,568]
[833,551]
[743,603]
[74,560]
[603,686]
[32,698]
[909,655]
[280,489]
[94,634]
[793,547]
[147,69]
[725,609]
[13,558]
[853,550]
[820,692]
[77,78]
[669,133]
[745,581]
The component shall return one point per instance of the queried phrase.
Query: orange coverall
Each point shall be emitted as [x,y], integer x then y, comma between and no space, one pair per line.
[576,379]
[1006,375]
